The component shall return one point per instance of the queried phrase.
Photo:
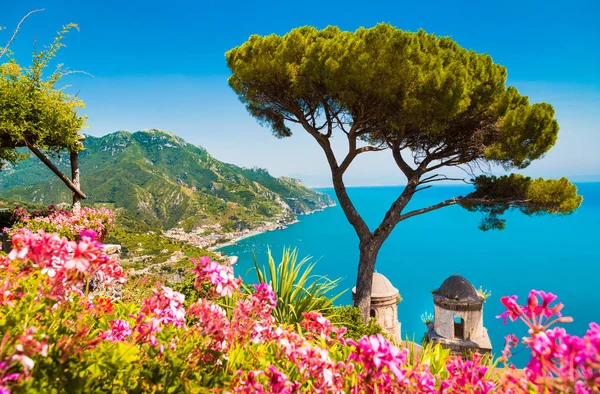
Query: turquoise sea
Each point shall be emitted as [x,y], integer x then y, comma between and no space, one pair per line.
[557,254]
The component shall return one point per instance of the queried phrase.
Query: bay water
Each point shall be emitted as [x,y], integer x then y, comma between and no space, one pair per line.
[560,254]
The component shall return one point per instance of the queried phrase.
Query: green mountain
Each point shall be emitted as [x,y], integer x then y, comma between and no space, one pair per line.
[161,179]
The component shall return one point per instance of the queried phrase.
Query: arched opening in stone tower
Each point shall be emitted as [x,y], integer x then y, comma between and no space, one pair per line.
[372,313]
[459,328]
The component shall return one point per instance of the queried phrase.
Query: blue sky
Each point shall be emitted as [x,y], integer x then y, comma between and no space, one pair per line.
[161,65]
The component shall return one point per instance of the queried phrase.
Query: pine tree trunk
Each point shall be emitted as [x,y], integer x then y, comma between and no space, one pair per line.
[364,280]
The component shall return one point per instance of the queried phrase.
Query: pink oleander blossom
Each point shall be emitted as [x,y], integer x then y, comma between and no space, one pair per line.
[210,320]
[220,276]
[316,324]
[165,306]
[312,363]
[558,359]
[65,265]
[119,331]
[513,310]
[70,224]
[381,362]
[511,341]
[466,376]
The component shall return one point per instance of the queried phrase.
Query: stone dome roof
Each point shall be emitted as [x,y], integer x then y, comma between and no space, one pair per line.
[382,287]
[457,288]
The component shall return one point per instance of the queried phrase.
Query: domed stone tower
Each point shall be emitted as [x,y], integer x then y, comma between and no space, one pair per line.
[458,317]
[384,304]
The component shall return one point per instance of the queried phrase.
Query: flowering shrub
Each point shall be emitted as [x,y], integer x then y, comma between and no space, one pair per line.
[65,223]
[559,362]
[56,339]
[43,311]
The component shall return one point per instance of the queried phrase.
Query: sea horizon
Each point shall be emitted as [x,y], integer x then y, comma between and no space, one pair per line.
[575,179]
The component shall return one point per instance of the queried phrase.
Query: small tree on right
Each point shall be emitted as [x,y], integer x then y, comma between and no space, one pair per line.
[431,103]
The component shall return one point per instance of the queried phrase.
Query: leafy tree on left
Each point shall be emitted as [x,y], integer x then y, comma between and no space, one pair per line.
[36,114]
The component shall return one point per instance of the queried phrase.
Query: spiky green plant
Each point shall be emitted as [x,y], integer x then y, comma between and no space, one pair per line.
[435,356]
[296,289]
[427,317]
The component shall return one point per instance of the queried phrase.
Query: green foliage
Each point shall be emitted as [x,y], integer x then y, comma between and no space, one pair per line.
[138,238]
[484,293]
[427,318]
[435,356]
[407,88]
[412,91]
[164,181]
[114,367]
[296,290]
[33,110]
[530,196]
[145,249]
[350,317]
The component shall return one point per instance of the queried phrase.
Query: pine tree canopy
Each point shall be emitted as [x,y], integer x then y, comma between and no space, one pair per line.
[423,97]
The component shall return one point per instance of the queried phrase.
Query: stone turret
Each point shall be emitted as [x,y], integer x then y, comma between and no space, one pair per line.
[458,317]
[384,304]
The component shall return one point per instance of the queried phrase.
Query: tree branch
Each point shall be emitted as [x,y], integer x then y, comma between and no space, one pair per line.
[422,188]
[361,228]
[329,120]
[403,165]
[5,49]
[350,157]
[458,200]
[392,216]
[55,169]
[440,177]
[453,162]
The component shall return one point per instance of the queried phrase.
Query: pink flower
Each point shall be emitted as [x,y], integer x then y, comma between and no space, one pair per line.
[65,264]
[569,362]
[511,342]
[166,307]
[533,307]
[119,331]
[315,324]
[26,361]
[375,353]
[211,321]
[466,376]
[513,310]
[90,234]
[220,276]
[265,295]
[279,382]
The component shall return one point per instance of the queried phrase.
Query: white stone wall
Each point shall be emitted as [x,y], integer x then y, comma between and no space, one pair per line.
[443,322]
[386,313]
[473,324]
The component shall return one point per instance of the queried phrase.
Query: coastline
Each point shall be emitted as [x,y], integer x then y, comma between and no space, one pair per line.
[283,226]
[234,241]
[211,239]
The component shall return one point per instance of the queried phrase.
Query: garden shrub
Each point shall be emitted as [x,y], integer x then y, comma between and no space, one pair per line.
[351,318]
[66,223]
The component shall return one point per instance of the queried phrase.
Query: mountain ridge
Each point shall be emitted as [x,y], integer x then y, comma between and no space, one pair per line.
[167,182]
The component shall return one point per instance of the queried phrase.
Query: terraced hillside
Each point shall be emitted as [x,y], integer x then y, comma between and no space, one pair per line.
[161,179]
